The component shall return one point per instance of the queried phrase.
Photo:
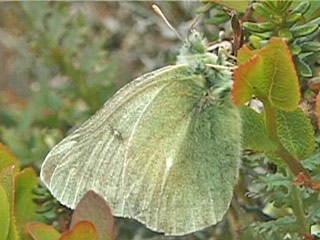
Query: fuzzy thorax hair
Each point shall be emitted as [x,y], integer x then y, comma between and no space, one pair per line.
[195,53]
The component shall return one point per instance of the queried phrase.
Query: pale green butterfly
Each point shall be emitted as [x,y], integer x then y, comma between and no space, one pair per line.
[163,150]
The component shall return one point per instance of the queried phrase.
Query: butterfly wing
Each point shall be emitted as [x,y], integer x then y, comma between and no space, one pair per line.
[67,168]
[154,154]
[193,162]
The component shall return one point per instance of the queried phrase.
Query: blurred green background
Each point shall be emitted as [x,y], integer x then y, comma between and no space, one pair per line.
[59,63]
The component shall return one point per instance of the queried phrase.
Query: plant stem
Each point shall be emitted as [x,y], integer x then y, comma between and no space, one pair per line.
[298,209]
[294,165]
[270,120]
[271,126]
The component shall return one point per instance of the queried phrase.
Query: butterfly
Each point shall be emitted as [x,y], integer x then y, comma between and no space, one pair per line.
[164,150]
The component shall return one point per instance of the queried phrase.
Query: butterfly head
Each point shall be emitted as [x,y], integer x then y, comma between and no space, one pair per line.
[195,53]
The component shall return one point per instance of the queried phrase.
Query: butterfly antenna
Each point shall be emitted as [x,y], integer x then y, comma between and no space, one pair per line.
[195,21]
[158,11]
[221,67]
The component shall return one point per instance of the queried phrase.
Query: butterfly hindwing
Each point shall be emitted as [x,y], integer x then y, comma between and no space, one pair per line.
[193,161]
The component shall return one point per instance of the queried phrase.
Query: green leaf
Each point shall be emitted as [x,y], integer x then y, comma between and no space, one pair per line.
[303,68]
[40,231]
[81,231]
[261,10]
[312,163]
[93,208]
[245,77]
[255,41]
[310,46]
[314,213]
[240,6]
[292,18]
[25,207]
[295,49]
[315,21]
[264,35]
[270,75]
[271,230]
[245,54]
[312,12]
[270,6]
[7,182]
[4,213]
[308,38]
[274,181]
[303,30]
[302,7]
[283,6]
[285,33]
[296,133]
[7,158]
[255,135]
[259,27]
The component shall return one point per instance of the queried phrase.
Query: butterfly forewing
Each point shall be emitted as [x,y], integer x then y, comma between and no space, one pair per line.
[93,154]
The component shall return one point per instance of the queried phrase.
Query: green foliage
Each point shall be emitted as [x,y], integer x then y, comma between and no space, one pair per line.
[290,20]
[7,182]
[81,80]
[8,159]
[284,122]
[49,209]
[4,213]
[297,207]
[255,136]
[25,207]
[275,230]
[240,6]
[62,72]
[266,76]
[299,141]
[17,187]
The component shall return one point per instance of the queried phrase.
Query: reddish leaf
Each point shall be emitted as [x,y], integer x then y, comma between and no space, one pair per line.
[245,54]
[8,159]
[40,231]
[273,78]
[245,75]
[7,181]
[318,109]
[84,230]
[93,208]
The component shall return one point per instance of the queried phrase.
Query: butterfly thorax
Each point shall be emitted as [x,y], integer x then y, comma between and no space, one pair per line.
[195,53]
